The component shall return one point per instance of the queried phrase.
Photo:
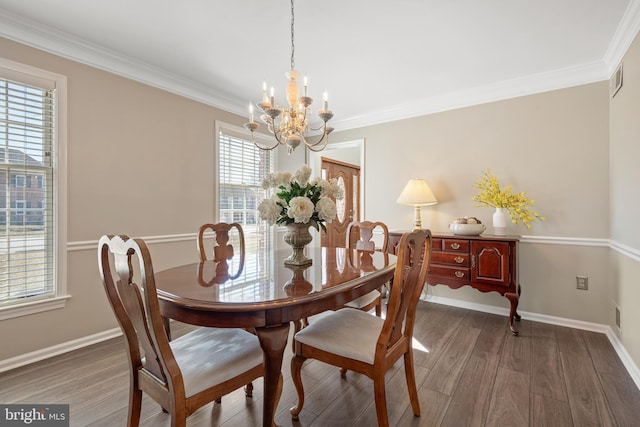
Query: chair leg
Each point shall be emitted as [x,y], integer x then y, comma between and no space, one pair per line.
[135,404]
[296,377]
[167,327]
[379,307]
[297,327]
[380,399]
[409,373]
[178,420]
[248,390]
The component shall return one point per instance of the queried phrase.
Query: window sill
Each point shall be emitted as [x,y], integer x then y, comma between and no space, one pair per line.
[33,307]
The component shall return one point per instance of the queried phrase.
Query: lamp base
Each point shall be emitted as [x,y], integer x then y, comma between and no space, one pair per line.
[417,220]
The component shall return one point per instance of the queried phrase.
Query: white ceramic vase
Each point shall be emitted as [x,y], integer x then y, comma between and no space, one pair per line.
[500,218]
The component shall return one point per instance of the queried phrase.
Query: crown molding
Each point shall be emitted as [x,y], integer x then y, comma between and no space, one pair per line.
[527,85]
[623,37]
[22,30]
[30,33]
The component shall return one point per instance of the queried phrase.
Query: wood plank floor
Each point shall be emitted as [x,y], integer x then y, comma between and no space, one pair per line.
[470,371]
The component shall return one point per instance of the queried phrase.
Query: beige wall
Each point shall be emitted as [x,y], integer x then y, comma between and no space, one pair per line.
[140,162]
[138,147]
[554,146]
[625,203]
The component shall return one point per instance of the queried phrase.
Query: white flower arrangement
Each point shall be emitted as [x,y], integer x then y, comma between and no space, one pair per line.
[298,200]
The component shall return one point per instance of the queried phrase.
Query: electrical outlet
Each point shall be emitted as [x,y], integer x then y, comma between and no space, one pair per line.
[582,282]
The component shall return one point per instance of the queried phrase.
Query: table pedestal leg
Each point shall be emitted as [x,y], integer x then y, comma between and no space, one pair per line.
[273,340]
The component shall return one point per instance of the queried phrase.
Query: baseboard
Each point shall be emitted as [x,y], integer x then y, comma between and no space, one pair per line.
[624,356]
[46,353]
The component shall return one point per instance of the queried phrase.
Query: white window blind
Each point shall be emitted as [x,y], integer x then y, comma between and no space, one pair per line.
[241,169]
[26,192]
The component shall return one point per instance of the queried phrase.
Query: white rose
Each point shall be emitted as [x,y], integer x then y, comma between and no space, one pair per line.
[269,211]
[334,189]
[302,175]
[326,209]
[300,209]
[283,179]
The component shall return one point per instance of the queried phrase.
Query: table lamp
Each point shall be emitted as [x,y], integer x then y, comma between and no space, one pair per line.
[417,193]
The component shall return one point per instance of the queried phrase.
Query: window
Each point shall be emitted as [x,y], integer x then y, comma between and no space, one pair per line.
[31,262]
[19,181]
[241,169]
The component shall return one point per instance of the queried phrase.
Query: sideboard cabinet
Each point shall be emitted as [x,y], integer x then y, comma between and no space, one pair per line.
[486,263]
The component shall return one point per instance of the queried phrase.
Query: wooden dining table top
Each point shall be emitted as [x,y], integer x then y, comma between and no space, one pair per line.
[335,277]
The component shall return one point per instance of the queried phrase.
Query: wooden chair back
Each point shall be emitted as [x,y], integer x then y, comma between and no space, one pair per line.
[127,276]
[408,281]
[222,251]
[360,235]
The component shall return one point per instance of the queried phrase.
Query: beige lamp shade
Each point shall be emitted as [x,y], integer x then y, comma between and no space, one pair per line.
[417,193]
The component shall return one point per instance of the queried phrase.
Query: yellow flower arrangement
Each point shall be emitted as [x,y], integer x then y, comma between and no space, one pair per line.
[518,205]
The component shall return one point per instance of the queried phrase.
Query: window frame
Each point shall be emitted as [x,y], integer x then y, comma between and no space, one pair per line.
[241,133]
[23,180]
[29,75]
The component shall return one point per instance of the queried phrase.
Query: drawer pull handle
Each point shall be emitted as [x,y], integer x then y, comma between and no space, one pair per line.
[473,260]
[459,274]
[455,246]
[458,259]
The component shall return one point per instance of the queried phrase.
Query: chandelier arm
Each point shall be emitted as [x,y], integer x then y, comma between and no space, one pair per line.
[314,147]
[270,127]
[277,134]
[262,147]
[324,134]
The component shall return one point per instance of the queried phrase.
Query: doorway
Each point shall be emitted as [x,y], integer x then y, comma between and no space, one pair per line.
[348,209]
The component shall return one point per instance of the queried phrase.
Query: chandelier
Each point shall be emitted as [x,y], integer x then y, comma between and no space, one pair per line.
[290,125]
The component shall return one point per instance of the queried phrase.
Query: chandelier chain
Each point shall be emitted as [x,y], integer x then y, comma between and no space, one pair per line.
[293,47]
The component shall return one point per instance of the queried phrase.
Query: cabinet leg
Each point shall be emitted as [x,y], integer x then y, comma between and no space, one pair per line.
[513,312]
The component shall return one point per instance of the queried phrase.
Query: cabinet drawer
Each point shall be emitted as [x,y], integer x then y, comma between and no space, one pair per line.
[461,273]
[455,245]
[450,258]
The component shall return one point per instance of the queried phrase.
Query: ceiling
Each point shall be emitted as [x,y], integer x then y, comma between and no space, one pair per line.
[378,60]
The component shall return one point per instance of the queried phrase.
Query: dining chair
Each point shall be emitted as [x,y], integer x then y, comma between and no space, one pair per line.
[359,236]
[222,250]
[223,253]
[181,375]
[368,344]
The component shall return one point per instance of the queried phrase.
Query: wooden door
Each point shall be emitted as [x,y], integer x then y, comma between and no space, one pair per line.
[348,177]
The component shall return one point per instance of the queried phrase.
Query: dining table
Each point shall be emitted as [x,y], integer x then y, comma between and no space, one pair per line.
[266,296]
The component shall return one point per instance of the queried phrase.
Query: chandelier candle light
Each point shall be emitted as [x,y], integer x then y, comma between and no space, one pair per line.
[417,193]
[290,125]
